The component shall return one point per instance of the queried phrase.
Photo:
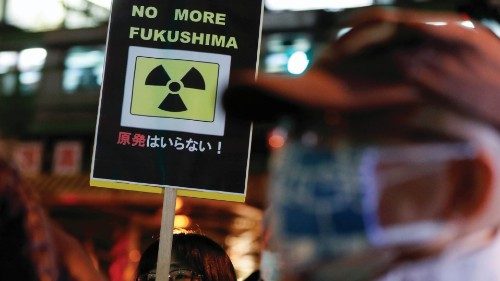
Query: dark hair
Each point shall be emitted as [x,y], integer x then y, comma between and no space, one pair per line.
[197,251]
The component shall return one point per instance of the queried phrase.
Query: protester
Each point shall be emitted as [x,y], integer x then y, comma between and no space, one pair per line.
[195,257]
[32,247]
[26,246]
[392,164]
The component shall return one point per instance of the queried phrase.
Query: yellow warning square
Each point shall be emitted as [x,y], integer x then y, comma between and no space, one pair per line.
[174,88]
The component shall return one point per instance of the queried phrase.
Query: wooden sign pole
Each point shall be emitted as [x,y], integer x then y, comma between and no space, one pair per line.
[166,232]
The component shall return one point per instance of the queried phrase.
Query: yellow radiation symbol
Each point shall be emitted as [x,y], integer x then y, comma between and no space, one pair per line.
[174,88]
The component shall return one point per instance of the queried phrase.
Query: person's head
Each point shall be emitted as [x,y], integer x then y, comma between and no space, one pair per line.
[195,257]
[26,248]
[395,145]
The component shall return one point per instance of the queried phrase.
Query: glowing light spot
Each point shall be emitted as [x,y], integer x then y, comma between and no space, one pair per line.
[181,221]
[436,23]
[178,203]
[277,138]
[28,78]
[32,59]
[343,31]
[297,63]
[134,256]
[276,142]
[8,61]
[35,14]
[467,24]
[69,199]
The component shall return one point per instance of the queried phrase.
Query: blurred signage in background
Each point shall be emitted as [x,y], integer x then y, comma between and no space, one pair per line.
[161,122]
[28,158]
[313,189]
[67,159]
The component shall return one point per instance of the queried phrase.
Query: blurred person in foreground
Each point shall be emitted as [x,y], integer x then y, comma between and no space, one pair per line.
[391,170]
[27,251]
[32,248]
[195,257]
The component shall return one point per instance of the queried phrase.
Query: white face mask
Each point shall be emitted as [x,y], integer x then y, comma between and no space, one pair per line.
[327,201]
[327,205]
[472,258]
[412,169]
